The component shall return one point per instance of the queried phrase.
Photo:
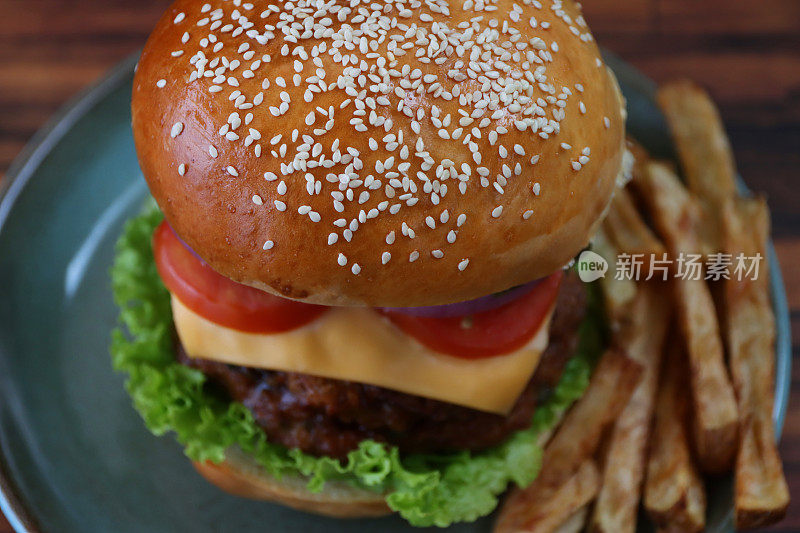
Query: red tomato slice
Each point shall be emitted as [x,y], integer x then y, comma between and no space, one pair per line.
[488,333]
[220,299]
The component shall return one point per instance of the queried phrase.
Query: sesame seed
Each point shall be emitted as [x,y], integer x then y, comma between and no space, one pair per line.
[257,200]
[341,259]
[179,17]
[280,206]
[182,169]
[232,171]
[413,256]
[438,254]
[356,269]
[385,257]
[161,83]
[176,130]
[606,122]
[463,264]
[527,214]
[268,245]
[497,211]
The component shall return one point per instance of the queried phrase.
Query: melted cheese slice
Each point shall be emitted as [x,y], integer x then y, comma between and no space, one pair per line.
[358,344]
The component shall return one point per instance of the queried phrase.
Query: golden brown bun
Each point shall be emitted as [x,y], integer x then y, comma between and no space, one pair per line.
[523,221]
[240,475]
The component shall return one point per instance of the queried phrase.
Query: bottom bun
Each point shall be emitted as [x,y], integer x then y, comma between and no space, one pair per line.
[239,474]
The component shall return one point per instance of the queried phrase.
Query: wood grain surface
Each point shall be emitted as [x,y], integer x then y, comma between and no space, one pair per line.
[747,53]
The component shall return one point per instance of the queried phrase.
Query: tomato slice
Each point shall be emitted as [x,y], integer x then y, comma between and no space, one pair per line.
[488,333]
[220,299]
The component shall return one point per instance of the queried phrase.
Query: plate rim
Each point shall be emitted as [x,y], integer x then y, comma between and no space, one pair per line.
[24,166]
[22,169]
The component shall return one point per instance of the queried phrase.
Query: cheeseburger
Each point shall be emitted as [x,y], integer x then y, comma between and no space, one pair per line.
[353,295]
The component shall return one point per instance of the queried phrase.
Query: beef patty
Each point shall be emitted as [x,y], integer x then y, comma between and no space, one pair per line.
[323,416]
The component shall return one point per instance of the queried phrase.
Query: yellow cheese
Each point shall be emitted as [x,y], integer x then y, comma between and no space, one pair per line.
[358,344]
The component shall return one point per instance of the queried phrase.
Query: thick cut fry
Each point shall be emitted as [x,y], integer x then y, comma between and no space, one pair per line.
[715,409]
[704,151]
[700,139]
[578,436]
[673,492]
[617,293]
[716,422]
[675,212]
[575,523]
[623,471]
[627,230]
[549,508]
[761,493]
[546,504]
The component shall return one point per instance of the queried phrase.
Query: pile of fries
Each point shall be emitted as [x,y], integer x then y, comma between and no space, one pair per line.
[687,387]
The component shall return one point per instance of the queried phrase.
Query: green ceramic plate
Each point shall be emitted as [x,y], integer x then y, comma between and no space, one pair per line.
[74,456]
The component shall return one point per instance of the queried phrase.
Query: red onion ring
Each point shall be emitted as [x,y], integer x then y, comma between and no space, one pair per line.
[186,245]
[470,307]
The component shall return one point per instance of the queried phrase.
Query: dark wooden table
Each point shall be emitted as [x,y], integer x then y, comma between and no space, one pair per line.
[747,53]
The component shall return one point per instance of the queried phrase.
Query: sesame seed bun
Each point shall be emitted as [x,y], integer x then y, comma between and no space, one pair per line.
[240,475]
[420,155]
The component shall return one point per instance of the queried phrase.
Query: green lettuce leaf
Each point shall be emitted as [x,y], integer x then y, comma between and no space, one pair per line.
[425,489]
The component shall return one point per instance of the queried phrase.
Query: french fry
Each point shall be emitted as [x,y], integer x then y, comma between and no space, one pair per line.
[675,213]
[551,507]
[575,523]
[704,151]
[617,293]
[700,139]
[578,436]
[546,503]
[673,491]
[623,470]
[716,422]
[761,494]
[715,410]
[627,230]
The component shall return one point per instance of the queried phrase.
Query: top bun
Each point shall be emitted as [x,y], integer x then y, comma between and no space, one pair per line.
[399,153]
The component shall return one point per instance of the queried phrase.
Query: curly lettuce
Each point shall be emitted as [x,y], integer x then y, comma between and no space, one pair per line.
[425,489]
